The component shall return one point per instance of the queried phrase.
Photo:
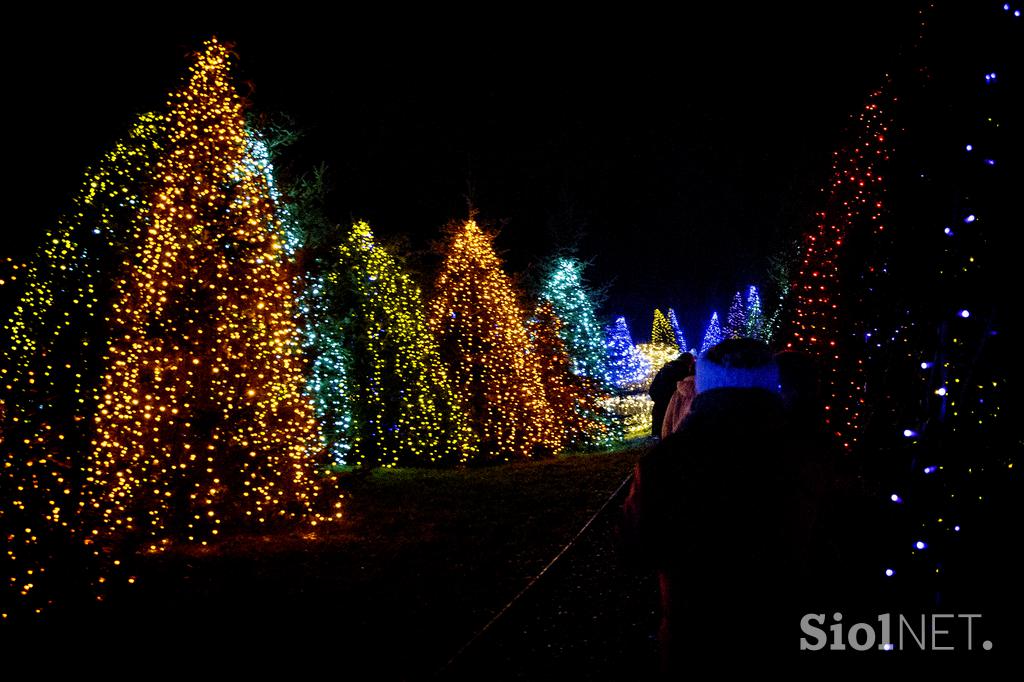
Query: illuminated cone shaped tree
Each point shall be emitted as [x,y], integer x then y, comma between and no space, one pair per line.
[677,331]
[201,423]
[575,306]
[736,321]
[661,330]
[837,292]
[56,332]
[575,399]
[627,366]
[757,326]
[480,328]
[404,410]
[712,335]
[53,343]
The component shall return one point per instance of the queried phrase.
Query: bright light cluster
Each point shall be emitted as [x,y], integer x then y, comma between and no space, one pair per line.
[662,333]
[405,409]
[713,335]
[656,356]
[677,331]
[627,367]
[574,305]
[201,424]
[495,373]
[824,322]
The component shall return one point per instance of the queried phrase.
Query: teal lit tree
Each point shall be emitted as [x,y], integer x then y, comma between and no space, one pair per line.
[757,327]
[311,240]
[575,304]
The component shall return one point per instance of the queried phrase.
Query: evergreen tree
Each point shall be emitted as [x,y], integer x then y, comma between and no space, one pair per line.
[626,366]
[55,334]
[404,409]
[712,335]
[202,425]
[575,399]
[661,331]
[677,331]
[736,322]
[57,331]
[480,328]
[575,306]
[835,292]
[756,324]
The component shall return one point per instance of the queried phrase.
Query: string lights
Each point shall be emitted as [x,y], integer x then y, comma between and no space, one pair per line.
[661,331]
[404,409]
[826,320]
[201,423]
[494,372]
[575,399]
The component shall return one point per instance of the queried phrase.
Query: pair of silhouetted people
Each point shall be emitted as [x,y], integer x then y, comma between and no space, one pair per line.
[664,386]
[725,508]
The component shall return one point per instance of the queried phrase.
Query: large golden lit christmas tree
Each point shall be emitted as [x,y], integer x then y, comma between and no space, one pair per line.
[480,328]
[201,423]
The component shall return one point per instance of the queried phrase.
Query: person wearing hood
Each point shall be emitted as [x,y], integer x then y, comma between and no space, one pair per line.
[663,387]
[714,509]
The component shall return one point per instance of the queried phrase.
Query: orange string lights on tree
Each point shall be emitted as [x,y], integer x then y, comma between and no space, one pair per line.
[201,422]
[480,328]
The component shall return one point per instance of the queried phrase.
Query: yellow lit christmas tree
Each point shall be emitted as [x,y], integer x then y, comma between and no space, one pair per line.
[404,408]
[480,328]
[201,423]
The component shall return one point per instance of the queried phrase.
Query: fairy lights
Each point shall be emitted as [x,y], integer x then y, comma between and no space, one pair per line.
[575,399]
[712,335]
[628,369]
[825,320]
[480,329]
[575,306]
[201,424]
[736,321]
[661,331]
[404,409]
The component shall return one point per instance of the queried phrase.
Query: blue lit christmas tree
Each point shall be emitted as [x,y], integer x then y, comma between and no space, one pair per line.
[627,367]
[677,331]
[712,335]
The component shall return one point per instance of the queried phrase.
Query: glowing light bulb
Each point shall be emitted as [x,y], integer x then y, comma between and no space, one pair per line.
[889,572]
[941,391]
[920,545]
[964,313]
[931,469]
[909,433]
[896,498]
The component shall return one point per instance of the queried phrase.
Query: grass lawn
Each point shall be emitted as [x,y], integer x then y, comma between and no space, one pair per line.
[422,560]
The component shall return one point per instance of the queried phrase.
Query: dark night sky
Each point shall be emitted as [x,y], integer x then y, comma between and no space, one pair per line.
[688,148]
